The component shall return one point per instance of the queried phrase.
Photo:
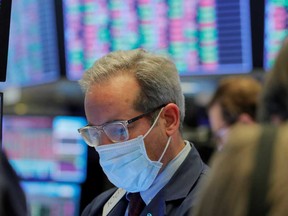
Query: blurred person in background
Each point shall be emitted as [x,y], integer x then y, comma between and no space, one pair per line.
[12,197]
[234,100]
[135,109]
[249,176]
[274,100]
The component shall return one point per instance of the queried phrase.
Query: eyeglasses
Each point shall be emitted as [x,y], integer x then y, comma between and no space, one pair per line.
[116,131]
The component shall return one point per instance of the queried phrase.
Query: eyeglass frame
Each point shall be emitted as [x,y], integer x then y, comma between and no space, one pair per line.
[125,123]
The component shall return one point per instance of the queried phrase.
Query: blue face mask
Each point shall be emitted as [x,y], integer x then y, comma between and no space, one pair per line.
[127,164]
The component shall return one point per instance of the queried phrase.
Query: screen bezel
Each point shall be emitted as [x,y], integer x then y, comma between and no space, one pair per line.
[5,14]
[1,119]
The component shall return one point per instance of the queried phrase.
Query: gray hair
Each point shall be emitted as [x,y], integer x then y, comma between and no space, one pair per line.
[157,76]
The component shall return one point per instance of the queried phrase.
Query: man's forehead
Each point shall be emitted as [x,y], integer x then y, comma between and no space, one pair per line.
[112,101]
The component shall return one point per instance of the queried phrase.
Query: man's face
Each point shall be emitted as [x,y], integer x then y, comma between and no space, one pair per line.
[113,100]
[218,125]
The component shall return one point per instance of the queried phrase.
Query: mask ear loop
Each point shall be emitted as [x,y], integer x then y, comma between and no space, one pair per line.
[169,139]
[166,147]
[154,123]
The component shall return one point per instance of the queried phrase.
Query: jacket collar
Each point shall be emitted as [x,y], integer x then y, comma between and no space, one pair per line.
[185,177]
[180,185]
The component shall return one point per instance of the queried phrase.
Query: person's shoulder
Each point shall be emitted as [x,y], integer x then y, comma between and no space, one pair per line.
[96,205]
[282,137]
[283,129]
[243,134]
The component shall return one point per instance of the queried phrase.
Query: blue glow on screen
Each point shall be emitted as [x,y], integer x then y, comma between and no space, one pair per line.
[275,30]
[46,148]
[202,37]
[33,55]
[52,198]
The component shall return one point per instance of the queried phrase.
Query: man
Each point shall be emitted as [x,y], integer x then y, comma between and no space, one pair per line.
[135,108]
[235,100]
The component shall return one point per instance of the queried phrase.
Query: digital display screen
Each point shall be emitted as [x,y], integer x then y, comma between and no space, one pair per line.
[46,148]
[52,198]
[276,30]
[202,37]
[33,45]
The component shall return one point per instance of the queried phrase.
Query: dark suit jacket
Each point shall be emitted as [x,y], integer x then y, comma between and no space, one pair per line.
[176,198]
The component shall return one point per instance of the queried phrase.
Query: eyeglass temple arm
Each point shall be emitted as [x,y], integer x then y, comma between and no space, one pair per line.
[144,114]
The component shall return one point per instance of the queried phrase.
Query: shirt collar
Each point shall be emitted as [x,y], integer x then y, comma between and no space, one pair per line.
[163,178]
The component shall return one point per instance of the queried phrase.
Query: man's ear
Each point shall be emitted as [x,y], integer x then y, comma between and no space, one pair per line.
[171,114]
[246,119]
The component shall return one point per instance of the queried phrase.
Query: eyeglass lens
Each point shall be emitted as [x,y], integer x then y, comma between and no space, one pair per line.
[116,132]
